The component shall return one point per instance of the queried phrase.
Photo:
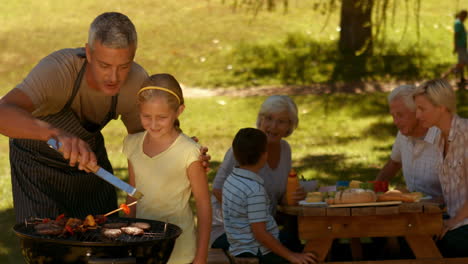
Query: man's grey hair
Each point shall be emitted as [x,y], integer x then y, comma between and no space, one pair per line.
[276,104]
[404,92]
[113,30]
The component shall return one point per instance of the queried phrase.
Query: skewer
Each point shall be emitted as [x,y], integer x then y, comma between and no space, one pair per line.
[120,208]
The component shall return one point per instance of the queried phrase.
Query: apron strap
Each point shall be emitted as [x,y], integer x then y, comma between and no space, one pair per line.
[76,86]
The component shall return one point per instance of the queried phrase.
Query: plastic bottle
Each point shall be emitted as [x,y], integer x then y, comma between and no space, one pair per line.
[293,184]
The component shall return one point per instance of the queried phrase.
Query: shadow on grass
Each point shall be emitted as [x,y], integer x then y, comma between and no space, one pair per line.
[10,251]
[299,59]
[381,130]
[361,105]
[335,167]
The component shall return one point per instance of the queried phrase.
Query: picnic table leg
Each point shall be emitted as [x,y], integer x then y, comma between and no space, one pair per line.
[356,248]
[320,246]
[423,246]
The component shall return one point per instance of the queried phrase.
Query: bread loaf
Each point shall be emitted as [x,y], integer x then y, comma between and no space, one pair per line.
[355,195]
[395,195]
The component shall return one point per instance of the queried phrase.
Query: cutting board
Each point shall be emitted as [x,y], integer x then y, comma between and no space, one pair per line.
[365,204]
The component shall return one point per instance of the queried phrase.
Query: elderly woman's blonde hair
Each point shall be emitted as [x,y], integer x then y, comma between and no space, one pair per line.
[405,92]
[277,104]
[440,93]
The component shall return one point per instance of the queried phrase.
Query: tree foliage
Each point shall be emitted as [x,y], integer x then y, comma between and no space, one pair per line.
[361,21]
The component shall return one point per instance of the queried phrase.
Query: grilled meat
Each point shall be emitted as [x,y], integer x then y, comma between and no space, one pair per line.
[111,232]
[133,231]
[48,229]
[142,225]
[89,221]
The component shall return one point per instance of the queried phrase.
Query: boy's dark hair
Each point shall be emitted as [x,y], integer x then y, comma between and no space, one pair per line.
[248,145]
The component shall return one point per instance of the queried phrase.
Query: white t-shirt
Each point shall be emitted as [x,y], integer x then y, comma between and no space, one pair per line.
[418,157]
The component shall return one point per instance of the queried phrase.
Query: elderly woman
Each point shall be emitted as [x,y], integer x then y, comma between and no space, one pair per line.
[278,119]
[436,106]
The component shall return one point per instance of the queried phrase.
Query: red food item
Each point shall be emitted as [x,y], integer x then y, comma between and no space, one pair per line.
[46,220]
[125,209]
[69,229]
[60,217]
[100,219]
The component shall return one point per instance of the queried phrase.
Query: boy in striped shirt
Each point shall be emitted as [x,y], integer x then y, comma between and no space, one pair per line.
[251,230]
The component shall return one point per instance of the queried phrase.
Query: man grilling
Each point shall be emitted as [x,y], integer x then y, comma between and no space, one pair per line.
[70,95]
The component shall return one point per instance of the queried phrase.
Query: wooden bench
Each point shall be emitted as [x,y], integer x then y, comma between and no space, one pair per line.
[245,261]
[409,261]
[217,256]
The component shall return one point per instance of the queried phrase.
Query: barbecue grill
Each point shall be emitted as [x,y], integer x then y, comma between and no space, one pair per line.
[155,246]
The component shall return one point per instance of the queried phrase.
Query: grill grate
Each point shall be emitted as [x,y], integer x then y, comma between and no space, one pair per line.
[158,231]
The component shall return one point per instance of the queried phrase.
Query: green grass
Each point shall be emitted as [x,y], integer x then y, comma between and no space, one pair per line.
[206,44]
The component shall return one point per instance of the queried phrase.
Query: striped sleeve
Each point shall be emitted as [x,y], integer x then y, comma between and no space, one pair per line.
[257,209]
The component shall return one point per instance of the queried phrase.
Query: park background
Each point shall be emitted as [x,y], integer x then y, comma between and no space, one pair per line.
[234,55]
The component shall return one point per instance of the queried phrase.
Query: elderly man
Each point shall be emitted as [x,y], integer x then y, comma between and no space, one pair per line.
[413,150]
[70,96]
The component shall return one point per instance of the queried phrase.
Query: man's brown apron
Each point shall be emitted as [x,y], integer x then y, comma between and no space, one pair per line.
[44,184]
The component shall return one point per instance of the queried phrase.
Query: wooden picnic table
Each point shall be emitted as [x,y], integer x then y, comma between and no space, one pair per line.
[416,222]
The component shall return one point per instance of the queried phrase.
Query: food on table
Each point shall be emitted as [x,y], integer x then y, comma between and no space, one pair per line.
[111,232]
[131,230]
[367,186]
[342,185]
[142,225]
[355,184]
[314,197]
[380,186]
[330,200]
[417,195]
[395,195]
[355,195]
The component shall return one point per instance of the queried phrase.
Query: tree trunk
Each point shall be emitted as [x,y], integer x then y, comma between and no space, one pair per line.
[356,27]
